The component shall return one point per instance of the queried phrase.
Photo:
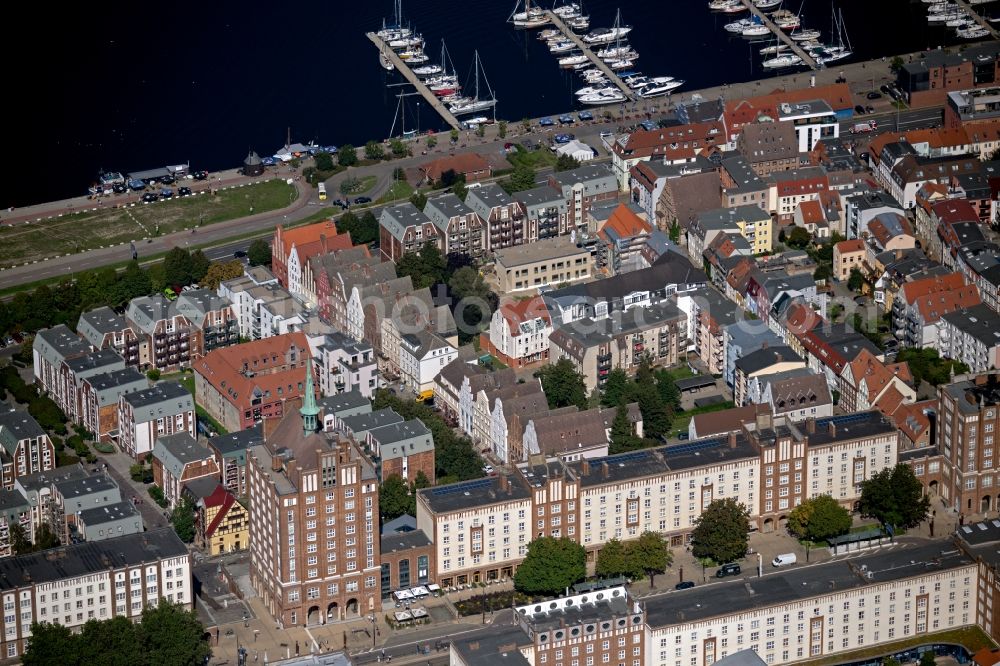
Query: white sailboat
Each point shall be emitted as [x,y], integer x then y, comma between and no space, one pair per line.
[475,103]
[531,17]
[396,29]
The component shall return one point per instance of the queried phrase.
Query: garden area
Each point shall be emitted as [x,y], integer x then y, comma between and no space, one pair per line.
[493,601]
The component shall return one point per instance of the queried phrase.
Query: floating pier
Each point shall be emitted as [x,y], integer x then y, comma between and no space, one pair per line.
[978,18]
[780,34]
[585,48]
[415,81]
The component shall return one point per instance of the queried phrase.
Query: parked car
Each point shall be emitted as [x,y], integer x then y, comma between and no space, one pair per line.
[860,110]
[487,469]
[149,197]
[682,435]
[546,122]
[166,193]
[119,188]
[239,254]
[585,115]
[870,109]
[563,138]
[362,200]
[684,585]
[874,95]
[200,175]
[731,569]
[565,120]
[886,89]
[183,191]
[783,560]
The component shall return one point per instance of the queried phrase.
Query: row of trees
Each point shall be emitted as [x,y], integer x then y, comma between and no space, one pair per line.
[168,634]
[646,556]
[455,458]
[62,303]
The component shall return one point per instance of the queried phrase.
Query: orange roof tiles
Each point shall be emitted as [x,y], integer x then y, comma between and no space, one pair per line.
[848,246]
[812,212]
[626,223]
[528,309]
[671,142]
[911,420]
[223,368]
[743,111]
[463,163]
[933,306]
[311,233]
[913,290]
[955,210]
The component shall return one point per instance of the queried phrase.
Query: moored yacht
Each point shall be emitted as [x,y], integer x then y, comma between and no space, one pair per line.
[786,60]
[658,89]
[573,60]
[609,96]
[531,17]
[805,35]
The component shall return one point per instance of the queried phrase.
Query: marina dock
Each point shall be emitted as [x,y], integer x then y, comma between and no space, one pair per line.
[415,81]
[978,17]
[780,34]
[600,64]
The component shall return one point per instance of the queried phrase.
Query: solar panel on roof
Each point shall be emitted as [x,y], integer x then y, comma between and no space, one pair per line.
[462,487]
[624,457]
[691,447]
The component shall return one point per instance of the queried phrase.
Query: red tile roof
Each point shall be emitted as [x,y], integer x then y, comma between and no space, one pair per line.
[955,210]
[673,143]
[812,212]
[463,163]
[847,246]
[528,309]
[933,306]
[743,111]
[929,285]
[625,223]
[311,234]
[223,499]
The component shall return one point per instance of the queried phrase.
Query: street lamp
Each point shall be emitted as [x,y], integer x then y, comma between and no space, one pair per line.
[374,628]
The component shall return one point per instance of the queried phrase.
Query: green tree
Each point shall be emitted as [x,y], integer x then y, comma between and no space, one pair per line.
[420,481]
[177,267]
[551,566]
[675,232]
[895,497]
[799,237]
[822,272]
[374,151]
[50,644]
[426,268]
[480,130]
[418,199]
[927,658]
[324,161]
[220,271]
[819,518]
[19,541]
[363,230]
[171,635]
[667,387]
[398,148]
[347,155]
[259,253]
[459,189]
[502,129]
[617,388]
[113,642]
[45,538]
[855,280]
[153,374]
[133,283]
[522,178]
[650,555]
[612,560]
[199,265]
[394,498]
[566,163]
[622,437]
[896,63]
[526,125]
[563,385]
[182,518]
[890,661]
[454,136]
[927,365]
[431,142]
[721,531]
[474,301]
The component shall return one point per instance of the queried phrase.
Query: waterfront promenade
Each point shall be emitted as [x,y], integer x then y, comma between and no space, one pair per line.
[587,51]
[862,77]
[780,34]
[414,80]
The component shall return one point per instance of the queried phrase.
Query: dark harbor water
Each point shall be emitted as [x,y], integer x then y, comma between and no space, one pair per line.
[140,86]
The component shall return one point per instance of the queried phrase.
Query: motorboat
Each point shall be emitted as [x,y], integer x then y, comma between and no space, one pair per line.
[720,5]
[735,8]
[620,64]
[427,70]
[562,46]
[416,41]
[944,17]
[738,26]
[961,22]
[977,32]
[943,8]
[626,54]
[614,51]
[785,60]
[417,58]
[787,22]
[805,35]
[658,89]
[548,33]
[603,97]
[756,30]
[766,4]
[607,35]
[590,90]
[579,23]
[478,120]
[573,60]
[567,11]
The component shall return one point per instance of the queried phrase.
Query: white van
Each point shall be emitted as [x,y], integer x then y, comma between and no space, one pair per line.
[783,560]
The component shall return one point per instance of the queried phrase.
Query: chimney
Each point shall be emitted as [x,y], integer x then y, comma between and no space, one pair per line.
[732,440]
[833,429]
[810,425]
[604,469]
[322,242]
[504,483]
[275,462]
[764,420]
[268,426]
[585,467]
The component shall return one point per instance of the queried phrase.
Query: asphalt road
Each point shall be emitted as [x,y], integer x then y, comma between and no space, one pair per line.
[891,121]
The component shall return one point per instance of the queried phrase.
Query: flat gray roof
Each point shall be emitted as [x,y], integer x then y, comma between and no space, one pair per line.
[548,249]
